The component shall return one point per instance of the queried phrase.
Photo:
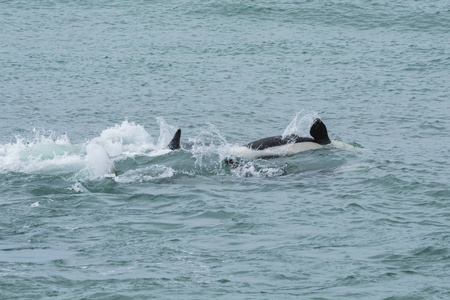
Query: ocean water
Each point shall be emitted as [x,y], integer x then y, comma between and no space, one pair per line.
[87,86]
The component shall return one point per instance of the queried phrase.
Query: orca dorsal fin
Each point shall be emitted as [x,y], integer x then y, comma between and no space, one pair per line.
[175,142]
[319,132]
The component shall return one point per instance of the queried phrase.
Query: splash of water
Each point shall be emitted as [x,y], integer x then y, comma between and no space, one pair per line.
[98,160]
[44,153]
[209,146]
[166,133]
[127,138]
[47,153]
[301,123]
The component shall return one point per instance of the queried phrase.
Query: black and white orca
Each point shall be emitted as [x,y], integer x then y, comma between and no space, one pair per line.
[282,146]
[274,146]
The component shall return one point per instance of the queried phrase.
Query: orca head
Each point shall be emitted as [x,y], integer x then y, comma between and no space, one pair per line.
[319,132]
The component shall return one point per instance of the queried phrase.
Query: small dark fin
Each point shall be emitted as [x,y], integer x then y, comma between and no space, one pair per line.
[175,142]
[319,132]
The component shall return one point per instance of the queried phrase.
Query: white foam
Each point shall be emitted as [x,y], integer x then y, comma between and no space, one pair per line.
[126,138]
[151,173]
[78,188]
[98,160]
[129,139]
[166,133]
[249,169]
[51,154]
[43,154]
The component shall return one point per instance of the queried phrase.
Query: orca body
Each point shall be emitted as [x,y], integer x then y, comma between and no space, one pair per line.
[282,146]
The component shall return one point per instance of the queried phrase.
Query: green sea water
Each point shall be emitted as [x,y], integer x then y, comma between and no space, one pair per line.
[90,85]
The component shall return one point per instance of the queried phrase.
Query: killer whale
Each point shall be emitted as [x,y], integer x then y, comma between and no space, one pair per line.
[273,146]
[282,146]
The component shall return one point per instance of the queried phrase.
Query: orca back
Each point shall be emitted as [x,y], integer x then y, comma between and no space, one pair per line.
[275,141]
[318,131]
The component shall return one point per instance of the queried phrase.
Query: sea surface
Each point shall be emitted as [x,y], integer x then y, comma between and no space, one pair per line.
[88,86]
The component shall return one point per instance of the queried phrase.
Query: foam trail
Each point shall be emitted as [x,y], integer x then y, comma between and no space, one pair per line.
[250,169]
[51,154]
[43,154]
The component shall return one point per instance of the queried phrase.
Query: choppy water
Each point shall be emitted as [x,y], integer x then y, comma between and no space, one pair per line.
[86,85]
